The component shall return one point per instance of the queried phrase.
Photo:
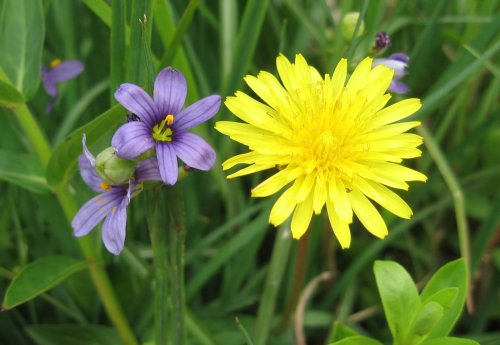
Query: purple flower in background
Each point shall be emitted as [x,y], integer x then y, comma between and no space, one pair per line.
[58,71]
[398,62]
[163,125]
[382,42]
[111,202]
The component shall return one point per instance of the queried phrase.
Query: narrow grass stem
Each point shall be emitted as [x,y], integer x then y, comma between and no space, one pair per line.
[279,260]
[177,233]
[99,276]
[458,200]
[158,227]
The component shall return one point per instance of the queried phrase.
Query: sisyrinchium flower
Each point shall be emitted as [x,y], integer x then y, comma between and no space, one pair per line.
[56,72]
[163,125]
[399,63]
[111,202]
[334,144]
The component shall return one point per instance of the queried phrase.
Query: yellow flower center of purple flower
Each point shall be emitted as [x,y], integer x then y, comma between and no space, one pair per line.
[105,186]
[162,130]
[54,63]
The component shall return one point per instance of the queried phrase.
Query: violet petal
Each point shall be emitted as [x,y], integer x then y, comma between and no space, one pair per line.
[170,91]
[148,170]
[132,139]
[398,87]
[113,229]
[197,113]
[400,57]
[94,210]
[194,151]
[167,163]
[49,84]
[66,70]
[138,102]
[87,170]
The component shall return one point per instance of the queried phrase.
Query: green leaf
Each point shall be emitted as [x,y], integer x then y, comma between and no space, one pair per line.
[64,158]
[22,33]
[357,340]
[399,297]
[73,335]
[9,96]
[341,331]
[24,170]
[445,297]
[38,277]
[424,322]
[449,341]
[452,274]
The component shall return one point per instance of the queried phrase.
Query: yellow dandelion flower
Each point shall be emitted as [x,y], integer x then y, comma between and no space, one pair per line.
[333,143]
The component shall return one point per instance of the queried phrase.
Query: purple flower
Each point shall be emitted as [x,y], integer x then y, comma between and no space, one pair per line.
[163,125]
[382,42]
[111,202]
[398,62]
[58,71]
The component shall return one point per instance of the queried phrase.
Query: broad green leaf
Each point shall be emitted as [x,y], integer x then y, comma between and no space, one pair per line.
[399,297]
[452,274]
[73,335]
[449,341]
[24,170]
[22,33]
[445,297]
[38,277]
[357,340]
[64,158]
[9,96]
[425,320]
[341,331]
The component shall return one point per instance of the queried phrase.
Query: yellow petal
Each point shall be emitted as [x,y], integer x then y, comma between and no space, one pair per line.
[320,194]
[358,77]
[367,214]
[338,196]
[276,182]
[384,197]
[396,112]
[284,206]
[306,188]
[251,110]
[244,158]
[302,217]
[339,227]
[250,170]
[398,171]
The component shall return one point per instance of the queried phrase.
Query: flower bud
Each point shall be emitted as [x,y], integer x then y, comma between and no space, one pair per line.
[348,24]
[382,42]
[113,169]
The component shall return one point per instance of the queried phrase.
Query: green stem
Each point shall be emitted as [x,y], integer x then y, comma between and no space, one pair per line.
[458,198]
[279,260]
[99,276]
[299,274]
[177,234]
[159,243]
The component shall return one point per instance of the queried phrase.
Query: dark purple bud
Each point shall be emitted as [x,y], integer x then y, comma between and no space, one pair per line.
[132,117]
[382,42]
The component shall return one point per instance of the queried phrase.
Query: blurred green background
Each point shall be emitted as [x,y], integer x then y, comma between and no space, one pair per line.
[454,53]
